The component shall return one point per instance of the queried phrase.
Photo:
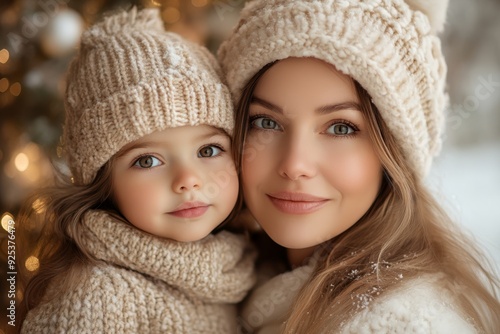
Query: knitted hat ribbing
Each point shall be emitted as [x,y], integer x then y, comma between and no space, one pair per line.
[132,78]
[385,45]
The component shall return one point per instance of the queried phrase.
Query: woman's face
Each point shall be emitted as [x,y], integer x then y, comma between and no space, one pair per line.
[309,168]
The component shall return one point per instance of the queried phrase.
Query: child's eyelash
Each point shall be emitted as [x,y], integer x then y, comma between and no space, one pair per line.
[216,144]
[139,157]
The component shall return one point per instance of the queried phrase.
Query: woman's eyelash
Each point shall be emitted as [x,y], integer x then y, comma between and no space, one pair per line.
[354,128]
[345,122]
[337,121]
[257,116]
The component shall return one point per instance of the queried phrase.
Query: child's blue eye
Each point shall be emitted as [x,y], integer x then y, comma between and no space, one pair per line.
[209,151]
[340,129]
[265,123]
[147,161]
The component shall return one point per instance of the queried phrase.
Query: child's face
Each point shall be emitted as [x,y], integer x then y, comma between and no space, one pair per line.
[309,170]
[179,183]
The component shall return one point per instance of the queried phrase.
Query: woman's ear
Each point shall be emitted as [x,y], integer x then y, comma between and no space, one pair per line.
[435,10]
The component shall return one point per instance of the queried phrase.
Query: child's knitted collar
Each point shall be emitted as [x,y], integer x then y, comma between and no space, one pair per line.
[218,268]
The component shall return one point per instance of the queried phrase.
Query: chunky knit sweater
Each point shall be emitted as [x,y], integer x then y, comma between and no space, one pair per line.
[418,305]
[145,284]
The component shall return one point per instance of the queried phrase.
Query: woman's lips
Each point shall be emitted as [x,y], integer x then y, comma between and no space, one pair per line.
[296,203]
[190,210]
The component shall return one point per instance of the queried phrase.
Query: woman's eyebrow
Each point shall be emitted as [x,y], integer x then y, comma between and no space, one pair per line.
[266,104]
[349,105]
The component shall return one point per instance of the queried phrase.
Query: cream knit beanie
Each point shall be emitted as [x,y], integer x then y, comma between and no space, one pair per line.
[388,46]
[132,78]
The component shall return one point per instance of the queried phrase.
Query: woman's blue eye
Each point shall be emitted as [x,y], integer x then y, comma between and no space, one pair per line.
[340,129]
[147,161]
[265,123]
[209,151]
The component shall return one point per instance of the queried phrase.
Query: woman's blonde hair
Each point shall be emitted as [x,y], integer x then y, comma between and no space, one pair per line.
[409,234]
[57,244]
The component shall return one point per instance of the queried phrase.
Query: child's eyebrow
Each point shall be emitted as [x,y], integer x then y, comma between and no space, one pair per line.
[132,146]
[212,133]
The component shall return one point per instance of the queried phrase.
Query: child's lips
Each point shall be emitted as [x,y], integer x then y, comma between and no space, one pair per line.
[190,210]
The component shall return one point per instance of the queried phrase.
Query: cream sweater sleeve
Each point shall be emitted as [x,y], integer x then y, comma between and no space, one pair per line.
[419,306]
[99,305]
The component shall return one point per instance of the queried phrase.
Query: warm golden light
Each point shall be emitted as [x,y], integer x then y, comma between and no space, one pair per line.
[9,171]
[15,89]
[32,151]
[21,162]
[199,3]
[33,174]
[4,56]
[39,206]
[32,263]
[19,295]
[171,15]
[4,85]
[6,218]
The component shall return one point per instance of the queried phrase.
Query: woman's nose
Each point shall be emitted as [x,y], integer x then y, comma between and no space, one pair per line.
[297,158]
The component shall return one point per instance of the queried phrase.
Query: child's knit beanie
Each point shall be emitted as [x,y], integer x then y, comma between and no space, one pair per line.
[131,78]
[389,46]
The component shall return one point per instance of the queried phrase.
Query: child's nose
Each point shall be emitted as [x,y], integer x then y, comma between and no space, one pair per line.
[186,180]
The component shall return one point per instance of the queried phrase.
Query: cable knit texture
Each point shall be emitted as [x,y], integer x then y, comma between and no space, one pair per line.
[132,78]
[385,45]
[146,284]
[418,305]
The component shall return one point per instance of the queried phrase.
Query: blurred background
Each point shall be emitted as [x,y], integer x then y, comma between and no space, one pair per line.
[38,38]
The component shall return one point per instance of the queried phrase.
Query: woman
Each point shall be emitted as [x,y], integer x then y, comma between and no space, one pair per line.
[340,110]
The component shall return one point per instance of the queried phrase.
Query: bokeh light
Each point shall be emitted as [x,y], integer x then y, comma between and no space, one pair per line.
[4,56]
[199,3]
[6,218]
[171,15]
[22,162]
[32,263]
[15,89]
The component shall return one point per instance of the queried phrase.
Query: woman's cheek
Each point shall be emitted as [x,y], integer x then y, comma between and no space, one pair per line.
[355,168]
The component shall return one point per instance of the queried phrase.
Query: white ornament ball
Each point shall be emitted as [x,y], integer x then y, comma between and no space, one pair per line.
[62,34]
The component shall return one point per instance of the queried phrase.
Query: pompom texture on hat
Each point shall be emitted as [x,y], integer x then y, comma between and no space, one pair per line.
[435,10]
[132,78]
[146,19]
[386,46]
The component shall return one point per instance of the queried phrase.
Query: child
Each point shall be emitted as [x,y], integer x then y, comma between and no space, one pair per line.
[340,113]
[128,245]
